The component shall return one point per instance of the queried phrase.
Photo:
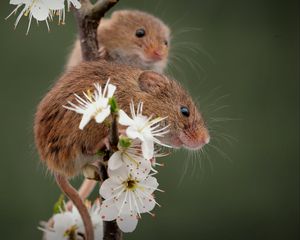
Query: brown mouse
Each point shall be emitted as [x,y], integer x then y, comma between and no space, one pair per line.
[66,149]
[133,38]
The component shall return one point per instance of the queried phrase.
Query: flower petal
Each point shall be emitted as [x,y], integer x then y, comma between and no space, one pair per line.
[16,2]
[127,223]
[152,184]
[115,161]
[119,175]
[108,210]
[148,149]
[40,11]
[140,168]
[145,204]
[55,4]
[100,117]
[124,119]
[84,121]
[63,221]
[132,133]
[107,189]
[111,90]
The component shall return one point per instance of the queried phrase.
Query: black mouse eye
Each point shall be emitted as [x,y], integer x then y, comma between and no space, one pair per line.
[166,42]
[140,33]
[185,111]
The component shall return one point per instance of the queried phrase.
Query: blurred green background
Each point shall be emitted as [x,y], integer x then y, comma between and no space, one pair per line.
[240,61]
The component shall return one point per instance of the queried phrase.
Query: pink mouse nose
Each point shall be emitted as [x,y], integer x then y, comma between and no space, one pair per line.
[158,55]
[195,139]
[201,141]
[204,137]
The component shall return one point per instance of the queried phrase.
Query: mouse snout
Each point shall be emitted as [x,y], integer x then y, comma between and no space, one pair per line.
[155,53]
[195,138]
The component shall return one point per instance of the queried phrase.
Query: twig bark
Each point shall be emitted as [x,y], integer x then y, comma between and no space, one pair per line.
[88,19]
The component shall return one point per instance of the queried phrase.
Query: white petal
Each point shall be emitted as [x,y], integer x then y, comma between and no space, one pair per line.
[127,223]
[146,203]
[107,189]
[139,169]
[148,149]
[16,2]
[122,203]
[100,117]
[152,184]
[55,4]
[111,90]
[102,103]
[49,235]
[124,119]
[119,175]
[108,211]
[84,121]
[40,11]
[132,133]
[115,161]
[98,230]
[63,221]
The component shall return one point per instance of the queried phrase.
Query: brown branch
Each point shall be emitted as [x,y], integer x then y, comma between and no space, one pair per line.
[88,19]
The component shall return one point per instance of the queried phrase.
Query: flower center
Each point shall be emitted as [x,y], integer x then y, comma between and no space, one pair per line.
[131,184]
[71,233]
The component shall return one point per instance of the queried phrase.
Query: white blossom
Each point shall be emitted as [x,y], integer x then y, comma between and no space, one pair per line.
[66,224]
[94,106]
[130,157]
[144,128]
[126,198]
[41,10]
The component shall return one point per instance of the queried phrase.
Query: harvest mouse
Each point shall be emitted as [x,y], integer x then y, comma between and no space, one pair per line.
[133,38]
[66,149]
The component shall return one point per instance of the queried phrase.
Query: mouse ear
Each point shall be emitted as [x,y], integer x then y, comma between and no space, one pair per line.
[152,82]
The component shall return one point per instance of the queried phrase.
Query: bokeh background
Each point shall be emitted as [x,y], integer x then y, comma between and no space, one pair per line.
[240,61]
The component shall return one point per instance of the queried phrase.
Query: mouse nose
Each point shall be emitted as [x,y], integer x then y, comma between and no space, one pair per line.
[195,139]
[157,54]
[204,137]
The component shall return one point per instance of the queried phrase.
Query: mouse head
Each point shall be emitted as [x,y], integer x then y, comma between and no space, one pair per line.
[141,39]
[187,127]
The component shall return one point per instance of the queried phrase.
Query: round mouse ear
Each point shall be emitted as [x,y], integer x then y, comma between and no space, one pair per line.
[152,82]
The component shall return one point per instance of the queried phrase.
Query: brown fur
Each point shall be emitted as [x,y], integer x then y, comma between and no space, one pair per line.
[117,37]
[66,149]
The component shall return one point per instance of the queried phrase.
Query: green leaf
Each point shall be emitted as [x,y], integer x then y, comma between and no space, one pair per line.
[59,206]
[113,105]
[125,142]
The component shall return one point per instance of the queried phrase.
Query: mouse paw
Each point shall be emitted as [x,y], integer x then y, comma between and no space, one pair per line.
[102,52]
[91,172]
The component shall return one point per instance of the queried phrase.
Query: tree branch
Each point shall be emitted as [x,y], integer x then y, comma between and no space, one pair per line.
[88,19]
